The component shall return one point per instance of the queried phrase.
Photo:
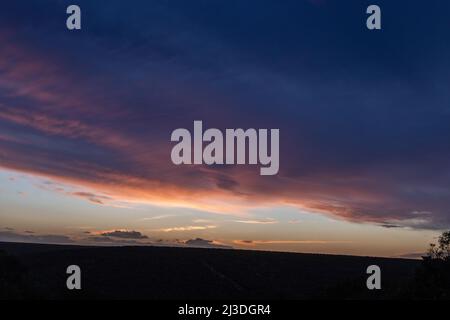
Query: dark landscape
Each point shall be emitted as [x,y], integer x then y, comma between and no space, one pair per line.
[38,271]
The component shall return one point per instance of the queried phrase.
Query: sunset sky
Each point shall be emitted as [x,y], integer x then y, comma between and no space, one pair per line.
[364,116]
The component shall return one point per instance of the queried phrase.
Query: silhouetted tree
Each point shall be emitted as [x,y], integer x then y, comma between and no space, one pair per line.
[432,279]
[441,251]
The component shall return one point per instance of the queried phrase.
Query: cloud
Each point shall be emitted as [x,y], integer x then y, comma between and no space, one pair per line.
[123,234]
[105,240]
[187,228]
[243,241]
[9,236]
[421,213]
[413,255]
[158,217]
[201,221]
[261,221]
[366,145]
[413,222]
[264,242]
[202,243]
[390,226]
[94,198]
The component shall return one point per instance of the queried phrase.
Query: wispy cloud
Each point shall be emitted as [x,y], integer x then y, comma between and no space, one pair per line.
[30,237]
[263,242]
[187,228]
[201,221]
[92,197]
[164,216]
[259,221]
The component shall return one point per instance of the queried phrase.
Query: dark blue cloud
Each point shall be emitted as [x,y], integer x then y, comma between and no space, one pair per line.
[358,110]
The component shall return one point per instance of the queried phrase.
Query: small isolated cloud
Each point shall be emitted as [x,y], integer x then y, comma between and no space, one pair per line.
[421,213]
[164,216]
[91,197]
[187,228]
[259,221]
[202,243]
[10,236]
[124,234]
[390,226]
[201,221]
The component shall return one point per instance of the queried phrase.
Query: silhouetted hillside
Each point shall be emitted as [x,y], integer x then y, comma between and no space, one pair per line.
[190,273]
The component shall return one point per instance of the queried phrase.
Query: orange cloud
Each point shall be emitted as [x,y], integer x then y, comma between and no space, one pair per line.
[123,168]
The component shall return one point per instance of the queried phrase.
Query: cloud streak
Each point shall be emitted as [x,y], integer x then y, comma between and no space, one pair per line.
[269,242]
[187,228]
[262,221]
[10,236]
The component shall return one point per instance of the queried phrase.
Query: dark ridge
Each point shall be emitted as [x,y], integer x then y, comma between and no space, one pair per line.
[197,273]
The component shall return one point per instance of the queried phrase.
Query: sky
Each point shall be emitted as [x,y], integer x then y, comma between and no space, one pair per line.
[364,117]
